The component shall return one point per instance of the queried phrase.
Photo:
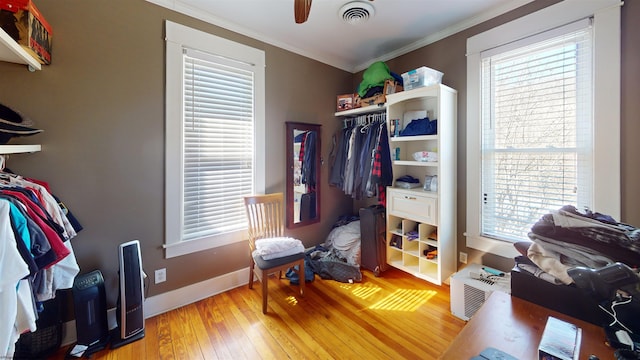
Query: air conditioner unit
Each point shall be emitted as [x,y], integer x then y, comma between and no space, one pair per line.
[471,287]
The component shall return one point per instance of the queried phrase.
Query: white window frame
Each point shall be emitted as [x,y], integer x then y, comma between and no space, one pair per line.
[177,38]
[606,102]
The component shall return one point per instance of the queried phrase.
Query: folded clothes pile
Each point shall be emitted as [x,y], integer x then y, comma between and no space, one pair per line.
[407,182]
[568,238]
[273,248]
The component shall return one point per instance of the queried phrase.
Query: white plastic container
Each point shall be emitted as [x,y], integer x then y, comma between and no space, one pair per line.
[425,156]
[422,76]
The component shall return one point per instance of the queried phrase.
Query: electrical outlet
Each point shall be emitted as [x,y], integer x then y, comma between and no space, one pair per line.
[463,257]
[161,275]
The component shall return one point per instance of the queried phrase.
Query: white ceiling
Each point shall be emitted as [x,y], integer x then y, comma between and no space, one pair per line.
[397,27]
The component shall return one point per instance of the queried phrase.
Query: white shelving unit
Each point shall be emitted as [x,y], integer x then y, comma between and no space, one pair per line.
[18,149]
[11,51]
[421,223]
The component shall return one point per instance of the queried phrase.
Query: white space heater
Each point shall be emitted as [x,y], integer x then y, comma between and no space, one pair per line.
[471,287]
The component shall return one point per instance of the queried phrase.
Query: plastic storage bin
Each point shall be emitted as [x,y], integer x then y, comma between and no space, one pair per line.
[422,76]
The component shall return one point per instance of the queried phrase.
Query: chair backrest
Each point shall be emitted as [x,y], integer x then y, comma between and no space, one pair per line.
[265,216]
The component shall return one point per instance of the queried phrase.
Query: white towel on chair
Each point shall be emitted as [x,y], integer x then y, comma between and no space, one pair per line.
[272,248]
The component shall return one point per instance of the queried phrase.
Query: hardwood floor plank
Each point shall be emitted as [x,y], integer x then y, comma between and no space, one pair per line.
[210,313]
[288,332]
[152,345]
[381,325]
[354,330]
[262,341]
[234,336]
[200,331]
[264,326]
[394,316]
[165,348]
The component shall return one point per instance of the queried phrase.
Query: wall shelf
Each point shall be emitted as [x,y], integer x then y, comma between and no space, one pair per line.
[362,110]
[17,149]
[11,51]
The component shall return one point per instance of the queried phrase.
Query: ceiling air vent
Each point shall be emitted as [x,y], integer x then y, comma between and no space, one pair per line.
[356,12]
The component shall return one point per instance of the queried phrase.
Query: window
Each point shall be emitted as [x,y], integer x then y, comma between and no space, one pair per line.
[536,131]
[215,110]
[535,141]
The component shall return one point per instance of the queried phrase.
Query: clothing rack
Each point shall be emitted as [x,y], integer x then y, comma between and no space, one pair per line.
[365,119]
[362,163]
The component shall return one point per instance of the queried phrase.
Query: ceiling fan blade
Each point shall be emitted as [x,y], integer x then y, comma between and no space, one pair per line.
[301,9]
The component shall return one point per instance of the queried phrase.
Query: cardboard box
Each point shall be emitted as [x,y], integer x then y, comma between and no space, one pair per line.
[357,101]
[390,87]
[345,102]
[373,100]
[21,20]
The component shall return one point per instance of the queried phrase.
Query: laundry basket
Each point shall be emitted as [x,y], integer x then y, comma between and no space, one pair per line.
[47,339]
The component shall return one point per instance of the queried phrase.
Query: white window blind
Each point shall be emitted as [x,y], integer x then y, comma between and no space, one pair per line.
[218,144]
[536,142]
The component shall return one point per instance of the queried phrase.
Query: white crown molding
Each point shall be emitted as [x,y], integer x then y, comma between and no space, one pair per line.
[456,28]
[180,7]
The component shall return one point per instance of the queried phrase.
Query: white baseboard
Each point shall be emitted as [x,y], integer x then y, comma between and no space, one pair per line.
[174,299]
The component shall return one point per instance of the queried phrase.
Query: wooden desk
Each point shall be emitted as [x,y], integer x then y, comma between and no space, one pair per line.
[515,326]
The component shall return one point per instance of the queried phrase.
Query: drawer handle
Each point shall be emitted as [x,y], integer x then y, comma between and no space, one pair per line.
[410,197]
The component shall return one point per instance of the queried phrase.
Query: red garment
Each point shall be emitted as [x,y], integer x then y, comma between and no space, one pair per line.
[38,216]
[301,153]
[376,171]
[39,182]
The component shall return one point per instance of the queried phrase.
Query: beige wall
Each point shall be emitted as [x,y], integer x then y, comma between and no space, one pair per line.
[101,104]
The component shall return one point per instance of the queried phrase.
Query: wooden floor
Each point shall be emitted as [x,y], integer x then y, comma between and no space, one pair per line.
[395,316]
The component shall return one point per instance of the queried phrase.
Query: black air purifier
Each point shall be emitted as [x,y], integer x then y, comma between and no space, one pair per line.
[90,307]
[130,310]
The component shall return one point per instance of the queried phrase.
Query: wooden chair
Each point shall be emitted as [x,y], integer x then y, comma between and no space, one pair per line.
[265,215]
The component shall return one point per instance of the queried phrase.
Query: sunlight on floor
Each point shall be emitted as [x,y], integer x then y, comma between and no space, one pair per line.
[364,291]
[292,300]
[404,300]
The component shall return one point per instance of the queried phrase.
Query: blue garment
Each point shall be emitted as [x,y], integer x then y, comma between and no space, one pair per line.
[40,248]
[293,277]
[420,127]
[21,235]
[309,160]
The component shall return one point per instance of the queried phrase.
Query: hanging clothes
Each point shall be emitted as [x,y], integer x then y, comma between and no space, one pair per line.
[36,256]
[382,170]
[13,269]
[308,151]
[362,164]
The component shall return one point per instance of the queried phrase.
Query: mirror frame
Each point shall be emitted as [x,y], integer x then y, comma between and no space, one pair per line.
[289,199]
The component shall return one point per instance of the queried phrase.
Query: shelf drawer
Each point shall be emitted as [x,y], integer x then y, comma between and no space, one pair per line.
[413,205]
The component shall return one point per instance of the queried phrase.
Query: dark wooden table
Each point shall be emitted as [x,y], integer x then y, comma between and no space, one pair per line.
[515,326]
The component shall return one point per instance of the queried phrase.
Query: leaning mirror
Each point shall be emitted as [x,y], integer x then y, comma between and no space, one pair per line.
[303,174]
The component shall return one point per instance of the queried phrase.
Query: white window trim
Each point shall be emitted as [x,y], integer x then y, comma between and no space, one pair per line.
[177,37]
[607,195]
